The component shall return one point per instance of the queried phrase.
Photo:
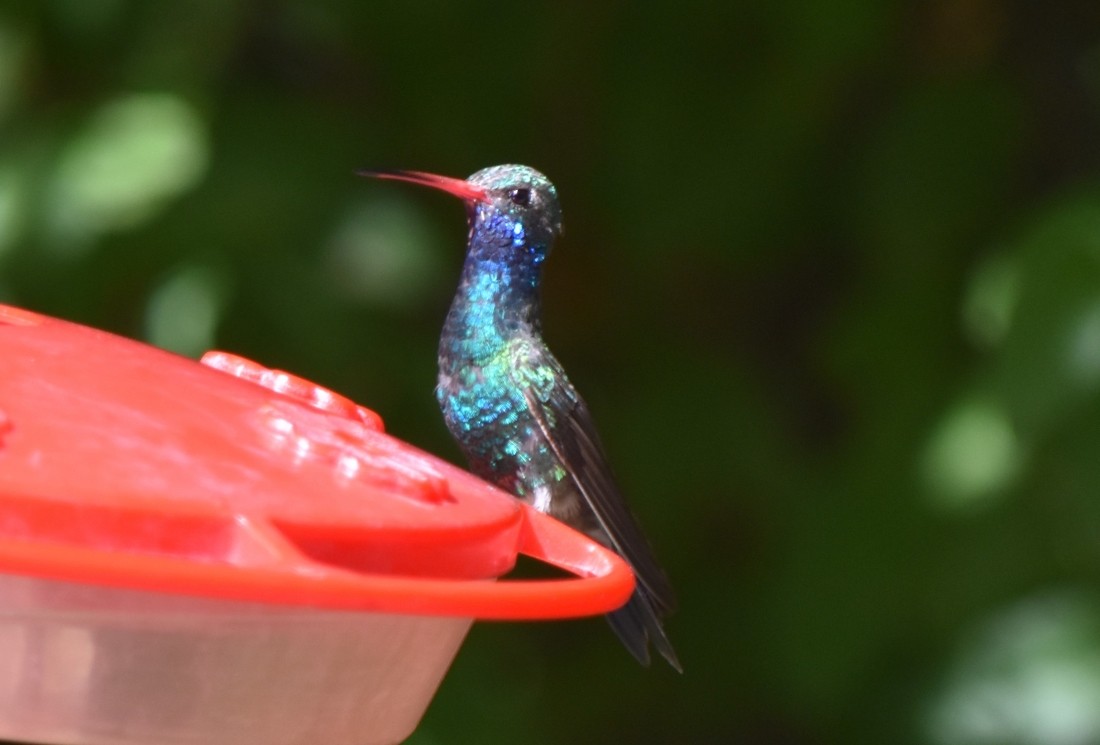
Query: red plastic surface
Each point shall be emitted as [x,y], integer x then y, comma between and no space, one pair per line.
[124,465]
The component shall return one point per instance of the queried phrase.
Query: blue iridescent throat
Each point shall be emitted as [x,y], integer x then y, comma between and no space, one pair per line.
[498,295]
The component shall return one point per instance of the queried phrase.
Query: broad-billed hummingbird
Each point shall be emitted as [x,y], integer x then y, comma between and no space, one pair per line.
[507,400]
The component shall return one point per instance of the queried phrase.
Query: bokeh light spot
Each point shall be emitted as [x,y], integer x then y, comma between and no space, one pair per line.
[1031,677]
[1083,357]
[991,301]
[184,310]
[972,455]
[382,253]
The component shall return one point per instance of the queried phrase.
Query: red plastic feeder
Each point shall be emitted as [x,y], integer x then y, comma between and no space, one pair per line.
[222,553]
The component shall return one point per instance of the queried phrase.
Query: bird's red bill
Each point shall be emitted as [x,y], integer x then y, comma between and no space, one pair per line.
[459,187]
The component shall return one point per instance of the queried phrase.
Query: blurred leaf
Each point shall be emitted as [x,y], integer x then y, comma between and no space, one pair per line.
[134,155]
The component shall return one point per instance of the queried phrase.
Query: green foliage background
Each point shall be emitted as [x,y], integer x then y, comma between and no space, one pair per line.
[830,282]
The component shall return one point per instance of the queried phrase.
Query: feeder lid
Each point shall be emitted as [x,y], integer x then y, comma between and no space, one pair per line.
[125,465]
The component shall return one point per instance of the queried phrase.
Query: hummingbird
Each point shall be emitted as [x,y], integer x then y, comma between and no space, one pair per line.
[507,400]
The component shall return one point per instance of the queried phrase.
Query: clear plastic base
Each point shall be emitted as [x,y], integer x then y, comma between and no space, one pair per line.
[102,666]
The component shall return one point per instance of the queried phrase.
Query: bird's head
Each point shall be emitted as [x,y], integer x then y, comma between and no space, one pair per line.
[513,209]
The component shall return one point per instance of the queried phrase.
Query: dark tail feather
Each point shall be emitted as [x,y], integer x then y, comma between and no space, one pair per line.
[637,624]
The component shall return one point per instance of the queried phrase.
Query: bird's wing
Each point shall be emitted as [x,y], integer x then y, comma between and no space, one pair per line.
[566,423]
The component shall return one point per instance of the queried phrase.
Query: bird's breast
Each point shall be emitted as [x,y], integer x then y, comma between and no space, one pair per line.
[488,415]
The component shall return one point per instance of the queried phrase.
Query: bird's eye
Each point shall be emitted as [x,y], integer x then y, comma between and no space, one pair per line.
[520,197]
